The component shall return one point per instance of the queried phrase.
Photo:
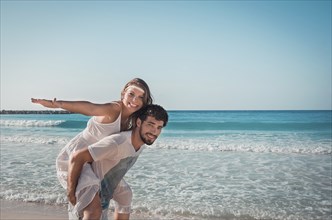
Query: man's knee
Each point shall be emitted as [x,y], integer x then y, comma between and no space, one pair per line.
[123,195]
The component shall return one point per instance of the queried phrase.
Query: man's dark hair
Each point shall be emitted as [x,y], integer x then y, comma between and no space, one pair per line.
[153,110]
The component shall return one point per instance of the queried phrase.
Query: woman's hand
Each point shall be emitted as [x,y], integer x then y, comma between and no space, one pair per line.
[46,103]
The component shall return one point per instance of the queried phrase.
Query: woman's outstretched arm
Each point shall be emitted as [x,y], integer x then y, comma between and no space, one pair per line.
[81,107]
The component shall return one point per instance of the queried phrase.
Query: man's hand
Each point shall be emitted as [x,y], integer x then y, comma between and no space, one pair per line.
[76,162]
[71,197]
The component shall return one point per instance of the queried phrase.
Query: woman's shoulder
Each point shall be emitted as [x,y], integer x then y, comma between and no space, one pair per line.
[115,108]
[113,112]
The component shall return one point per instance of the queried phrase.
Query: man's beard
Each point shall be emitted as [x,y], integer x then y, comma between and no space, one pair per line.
[145,139]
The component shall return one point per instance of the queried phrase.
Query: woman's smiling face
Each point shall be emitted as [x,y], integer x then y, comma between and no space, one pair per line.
[133,98]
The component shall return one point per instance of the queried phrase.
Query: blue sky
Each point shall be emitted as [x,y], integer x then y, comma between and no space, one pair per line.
[214,55]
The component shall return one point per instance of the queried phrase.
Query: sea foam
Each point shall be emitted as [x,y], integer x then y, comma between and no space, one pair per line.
[30,123]
[35,139]
[199,145]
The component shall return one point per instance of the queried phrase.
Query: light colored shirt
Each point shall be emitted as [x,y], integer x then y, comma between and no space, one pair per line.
[113,156]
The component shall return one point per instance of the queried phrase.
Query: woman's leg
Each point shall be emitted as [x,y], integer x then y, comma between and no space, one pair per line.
[93,210]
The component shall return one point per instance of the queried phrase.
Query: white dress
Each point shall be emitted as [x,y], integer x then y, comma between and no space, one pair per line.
[88,183]
[93,132]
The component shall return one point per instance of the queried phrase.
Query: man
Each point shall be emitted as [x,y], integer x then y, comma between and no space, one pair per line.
[112,157]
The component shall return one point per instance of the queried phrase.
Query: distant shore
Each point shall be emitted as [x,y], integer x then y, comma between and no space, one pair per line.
[12,112]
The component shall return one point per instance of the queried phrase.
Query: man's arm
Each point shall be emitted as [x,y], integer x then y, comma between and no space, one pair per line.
[76,162]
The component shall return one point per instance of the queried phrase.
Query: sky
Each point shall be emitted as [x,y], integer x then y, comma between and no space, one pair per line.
[194,55]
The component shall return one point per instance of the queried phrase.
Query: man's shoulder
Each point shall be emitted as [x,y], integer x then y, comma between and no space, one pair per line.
[121,137]
[122,134]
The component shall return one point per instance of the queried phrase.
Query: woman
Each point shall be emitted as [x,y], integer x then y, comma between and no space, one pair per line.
[108,118]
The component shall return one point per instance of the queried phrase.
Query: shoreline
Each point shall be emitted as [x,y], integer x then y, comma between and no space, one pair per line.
[19,210]
[11,209]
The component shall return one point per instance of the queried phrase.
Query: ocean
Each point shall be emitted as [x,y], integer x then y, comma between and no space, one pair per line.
[205,164]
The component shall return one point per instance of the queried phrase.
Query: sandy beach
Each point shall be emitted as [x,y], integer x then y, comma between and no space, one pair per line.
[22,210]
[16,210]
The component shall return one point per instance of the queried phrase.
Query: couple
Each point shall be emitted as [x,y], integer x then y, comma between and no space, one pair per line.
[91,166]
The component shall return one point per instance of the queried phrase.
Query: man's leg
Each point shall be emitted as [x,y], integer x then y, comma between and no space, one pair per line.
[121,216]
[93,210]
[122,197]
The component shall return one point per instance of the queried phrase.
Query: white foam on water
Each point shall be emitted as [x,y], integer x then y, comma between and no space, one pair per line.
[236,144]
[261,186]
[219,144]
[192,184]
[35,139]
[30,123]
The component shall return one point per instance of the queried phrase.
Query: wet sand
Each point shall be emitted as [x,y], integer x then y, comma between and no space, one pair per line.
[17,210]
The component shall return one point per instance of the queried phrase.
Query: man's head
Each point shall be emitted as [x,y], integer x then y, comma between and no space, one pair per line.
[150,121]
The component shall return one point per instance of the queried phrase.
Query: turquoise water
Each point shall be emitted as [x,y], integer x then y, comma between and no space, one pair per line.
[206,164]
